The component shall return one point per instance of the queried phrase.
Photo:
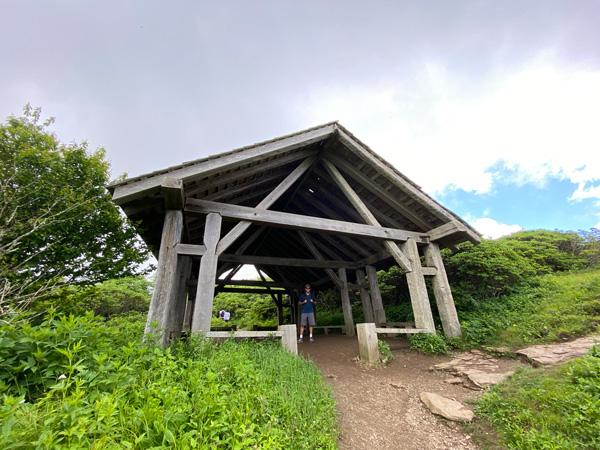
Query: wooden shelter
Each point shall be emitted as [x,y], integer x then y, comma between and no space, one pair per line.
[316,206]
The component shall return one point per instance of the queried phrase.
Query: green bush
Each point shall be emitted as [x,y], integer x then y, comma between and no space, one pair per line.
[432,344]
[91,384]
[385,354]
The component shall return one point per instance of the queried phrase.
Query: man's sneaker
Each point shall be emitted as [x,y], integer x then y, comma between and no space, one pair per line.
[299,341]
[312,341]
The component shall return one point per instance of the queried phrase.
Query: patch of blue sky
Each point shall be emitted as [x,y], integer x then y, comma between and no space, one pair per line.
[531,205]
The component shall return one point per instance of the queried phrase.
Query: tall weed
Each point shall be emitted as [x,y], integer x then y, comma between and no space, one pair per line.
[102,387]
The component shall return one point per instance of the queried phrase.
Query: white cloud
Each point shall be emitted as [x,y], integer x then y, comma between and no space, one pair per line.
[538,122]
[490,228]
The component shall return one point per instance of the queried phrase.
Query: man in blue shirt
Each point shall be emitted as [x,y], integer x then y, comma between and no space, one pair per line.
[307,300]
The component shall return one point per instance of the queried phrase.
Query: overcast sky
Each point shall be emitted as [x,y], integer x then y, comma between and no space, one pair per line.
[493,107]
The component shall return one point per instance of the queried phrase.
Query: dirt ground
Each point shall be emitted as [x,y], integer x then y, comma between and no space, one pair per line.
[380,408]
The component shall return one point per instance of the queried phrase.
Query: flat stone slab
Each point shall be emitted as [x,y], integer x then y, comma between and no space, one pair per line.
[445,407]
[475,370]
[556,353]
[484,379]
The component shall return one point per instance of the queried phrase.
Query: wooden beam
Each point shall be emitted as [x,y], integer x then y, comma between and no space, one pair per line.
[445,230]
[290,262]
[442,292]
[172,191]
[376,299]
[346,307]
[241,227]
[207,275]
[166,285]
[365,298]
[221,180]
[299,222]
[317,255]
[418,289]
[394,176]
[363,210]
[376,188]
[124,193]
[190,249]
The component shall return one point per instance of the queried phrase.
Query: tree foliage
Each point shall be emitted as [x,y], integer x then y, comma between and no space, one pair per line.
[58,225]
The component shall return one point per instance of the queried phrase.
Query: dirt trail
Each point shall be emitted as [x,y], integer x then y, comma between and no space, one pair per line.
[381,408]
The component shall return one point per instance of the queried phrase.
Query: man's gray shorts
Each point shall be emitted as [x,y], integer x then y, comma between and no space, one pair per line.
[307,319]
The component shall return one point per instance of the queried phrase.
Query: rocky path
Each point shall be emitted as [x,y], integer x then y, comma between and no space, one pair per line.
[384,408]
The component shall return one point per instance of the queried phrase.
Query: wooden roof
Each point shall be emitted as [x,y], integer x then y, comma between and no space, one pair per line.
[236,182]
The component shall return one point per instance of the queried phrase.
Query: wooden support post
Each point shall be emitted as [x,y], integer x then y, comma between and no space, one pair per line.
[367,343]
[418,289]
[348,319]
[185,270]
[442,292]
[376,299]
[207,275]
[289,339]
[279,309]
[166,284]
[365,298]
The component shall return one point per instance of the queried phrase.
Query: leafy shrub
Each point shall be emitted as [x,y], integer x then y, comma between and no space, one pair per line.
[432,344]
[385,354]
[119,392]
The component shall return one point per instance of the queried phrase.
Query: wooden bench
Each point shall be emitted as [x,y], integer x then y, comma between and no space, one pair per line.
[326,328]
[287,334]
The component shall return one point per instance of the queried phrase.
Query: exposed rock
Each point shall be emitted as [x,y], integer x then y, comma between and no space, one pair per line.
[486,379]
[445,407]
[557,353]
[397,385]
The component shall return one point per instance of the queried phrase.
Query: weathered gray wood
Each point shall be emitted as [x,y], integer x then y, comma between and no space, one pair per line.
[376,300]
[429,271]
[166,284]
[288,340]
[442,292]
[137,189]
[368,347]
[392,331]
[185,269]
[394,176]
[224,179]
[446,230]
[315,252]
[346,307]
[266,203]
[243,334]
[290,262]
[300,222]
[383,194]
[365,298]
[172,191]
[364,212]
[417,288]
[190,249]
[207,275]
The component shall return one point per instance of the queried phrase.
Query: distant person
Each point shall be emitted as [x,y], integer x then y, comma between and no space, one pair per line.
[226,316]
[221,314]
[308,302]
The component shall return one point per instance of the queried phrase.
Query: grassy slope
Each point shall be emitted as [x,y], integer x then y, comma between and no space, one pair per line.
[551,408]
[75,382]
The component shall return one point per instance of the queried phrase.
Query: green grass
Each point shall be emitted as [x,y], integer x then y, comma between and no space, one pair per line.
[557,408]
[96,385]
[552,307]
